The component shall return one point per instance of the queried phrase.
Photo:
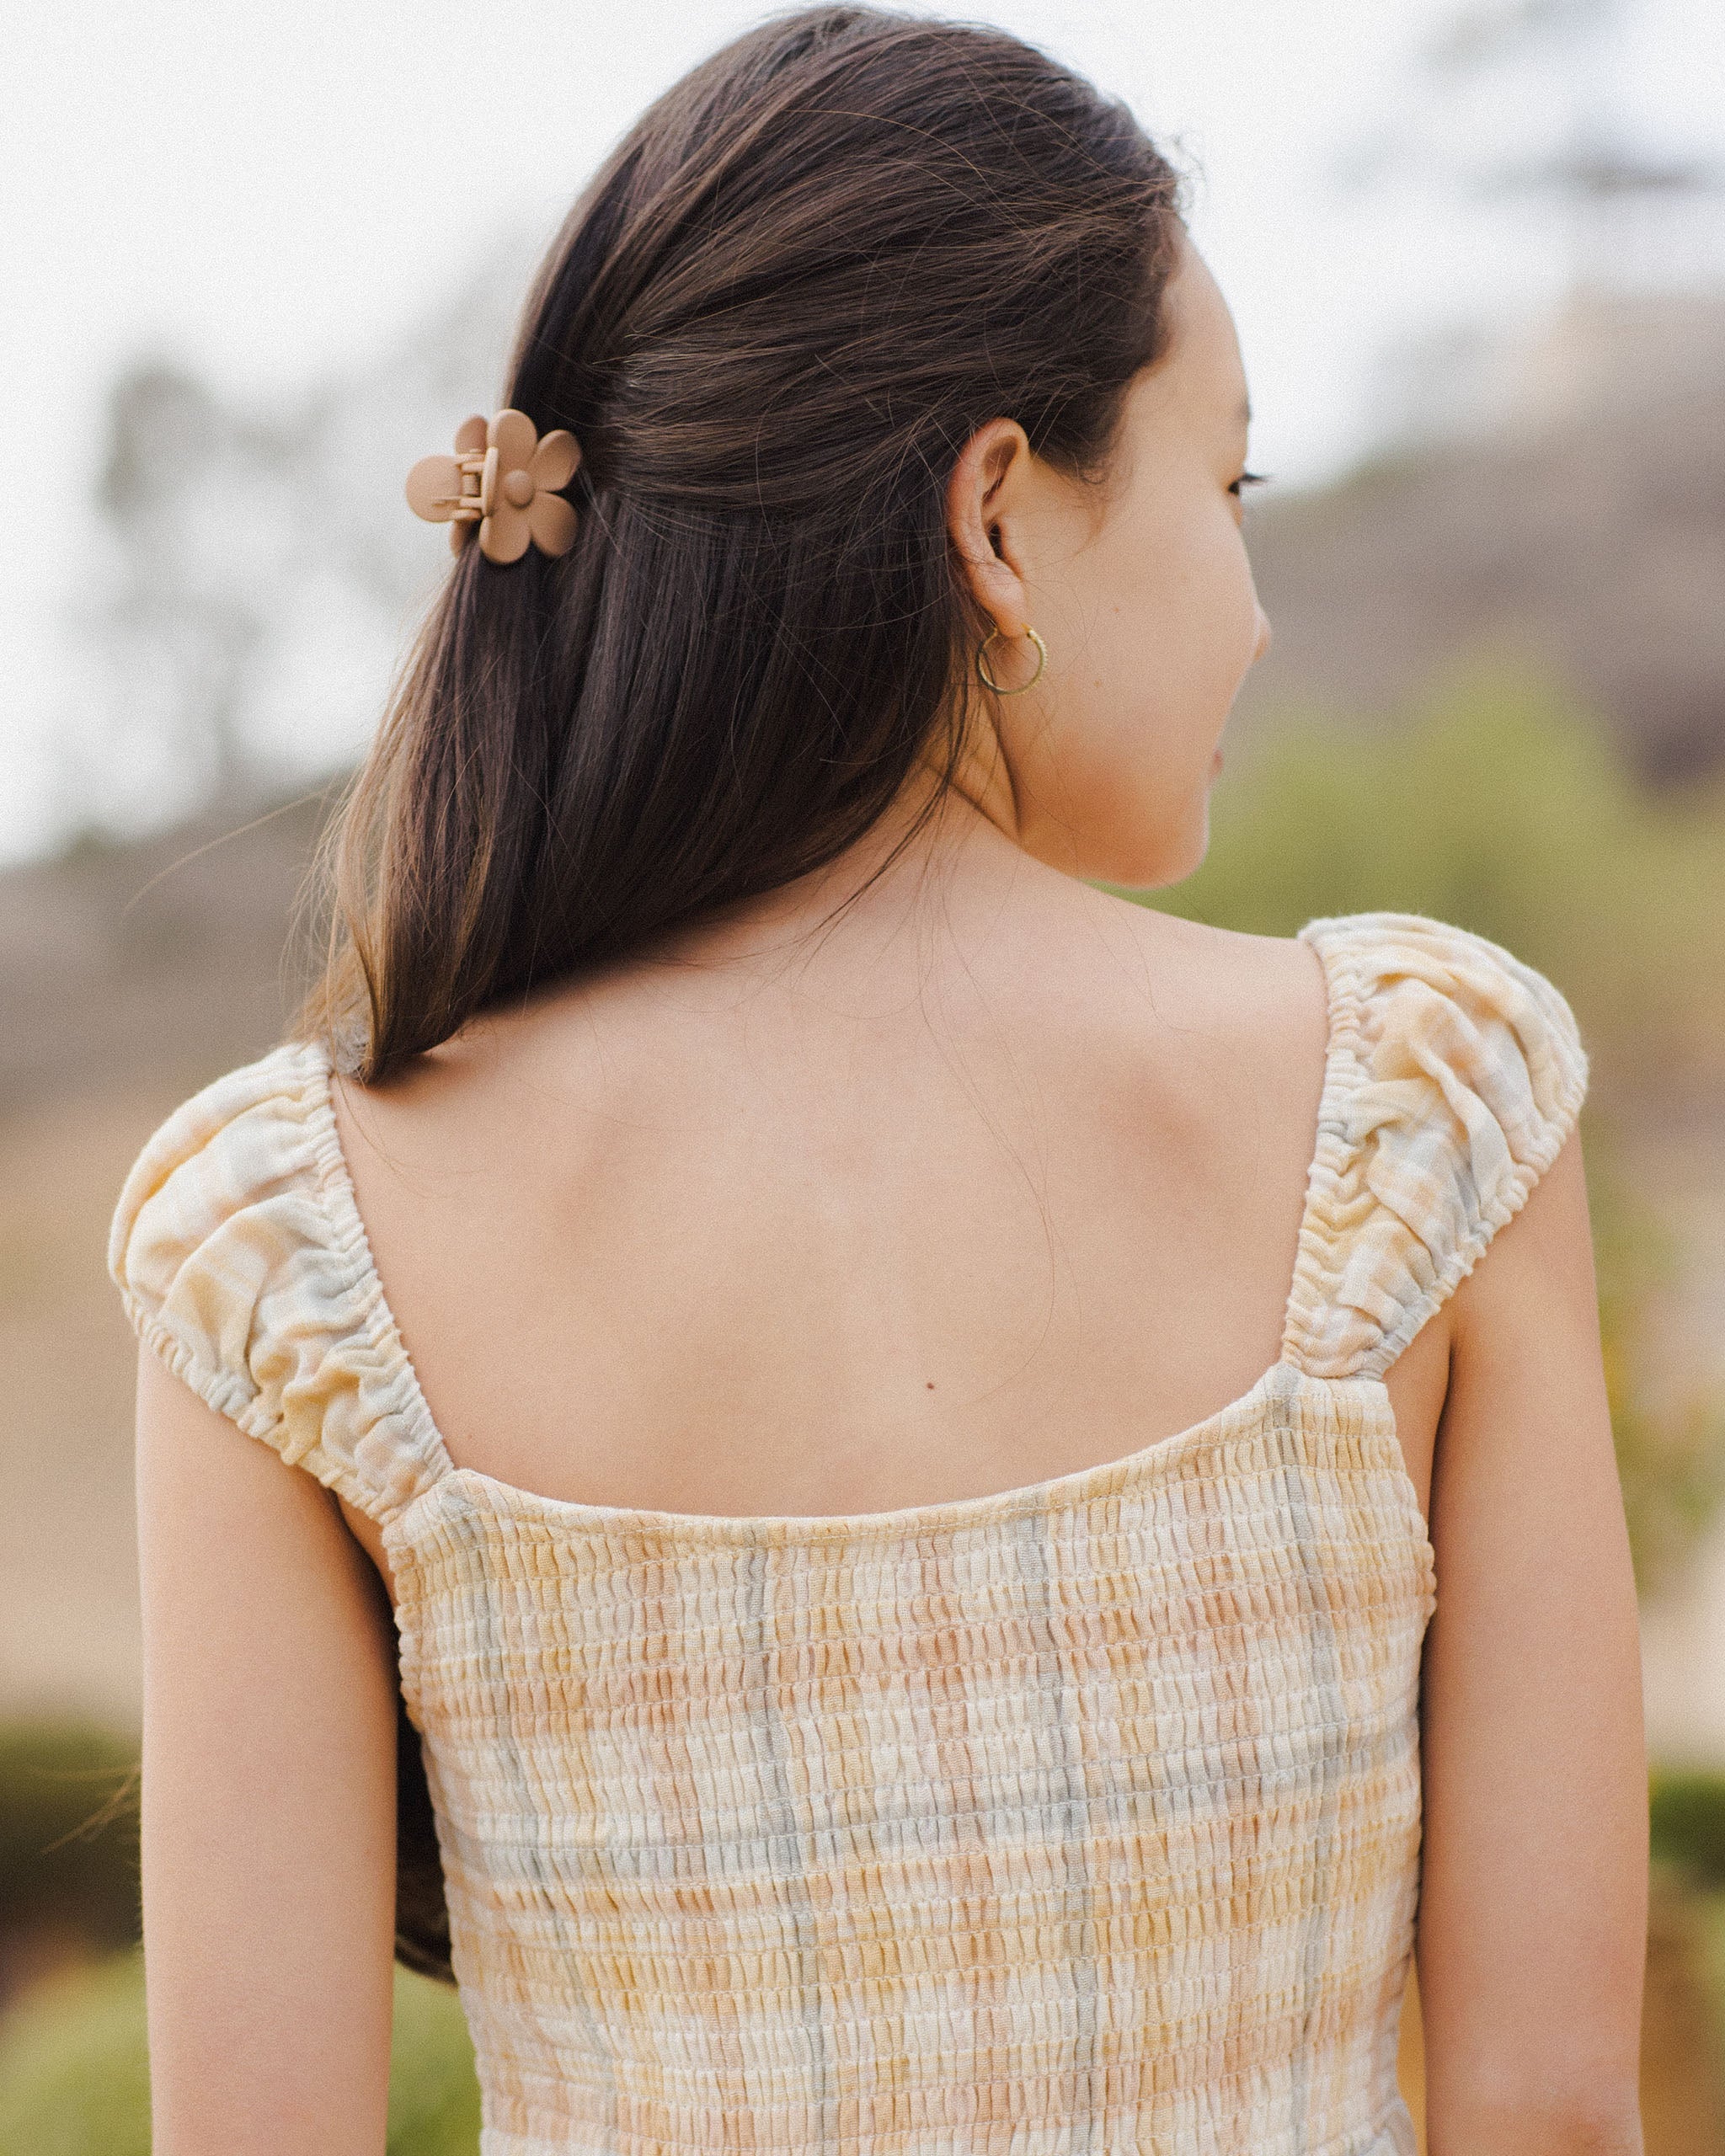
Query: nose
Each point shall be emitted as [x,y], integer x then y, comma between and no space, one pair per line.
[1263,636]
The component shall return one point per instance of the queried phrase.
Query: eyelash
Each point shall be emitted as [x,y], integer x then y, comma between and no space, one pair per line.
[1250,480]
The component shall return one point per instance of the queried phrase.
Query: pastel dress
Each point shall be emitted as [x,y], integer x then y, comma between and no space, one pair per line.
[1082,1816]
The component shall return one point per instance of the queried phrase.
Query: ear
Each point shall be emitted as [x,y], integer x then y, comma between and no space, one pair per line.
[985,499]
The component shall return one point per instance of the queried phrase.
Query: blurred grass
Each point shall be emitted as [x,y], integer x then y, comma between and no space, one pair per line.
[74,2068]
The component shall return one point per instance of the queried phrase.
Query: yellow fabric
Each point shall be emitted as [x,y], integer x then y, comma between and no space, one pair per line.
[1081,1815]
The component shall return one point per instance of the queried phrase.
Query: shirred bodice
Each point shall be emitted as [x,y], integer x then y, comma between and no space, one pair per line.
[1085,1814]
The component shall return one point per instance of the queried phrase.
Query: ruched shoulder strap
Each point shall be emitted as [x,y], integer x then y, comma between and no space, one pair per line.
[1455,1074]
[241,1262]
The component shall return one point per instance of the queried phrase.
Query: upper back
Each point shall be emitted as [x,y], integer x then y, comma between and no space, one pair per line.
[745,1238]
[653,1244]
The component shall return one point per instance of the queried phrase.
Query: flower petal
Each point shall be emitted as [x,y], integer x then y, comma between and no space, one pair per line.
[511,435]
[503,535]
[551,522]
[470,435]
[555,459]
[430,483]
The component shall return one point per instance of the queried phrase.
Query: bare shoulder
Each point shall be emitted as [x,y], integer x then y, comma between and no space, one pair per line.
[1259,982]
[488,1091]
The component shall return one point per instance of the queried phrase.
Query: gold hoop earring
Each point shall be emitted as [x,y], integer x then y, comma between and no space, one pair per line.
[988,680]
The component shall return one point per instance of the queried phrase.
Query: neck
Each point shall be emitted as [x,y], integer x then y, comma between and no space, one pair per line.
[943,860]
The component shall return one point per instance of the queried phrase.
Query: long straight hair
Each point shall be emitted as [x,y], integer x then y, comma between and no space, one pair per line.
[801,282]
[799,285]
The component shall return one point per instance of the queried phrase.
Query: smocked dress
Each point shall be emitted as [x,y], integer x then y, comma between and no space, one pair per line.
[1084,1816]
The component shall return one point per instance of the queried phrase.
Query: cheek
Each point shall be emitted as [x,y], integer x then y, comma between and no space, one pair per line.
[1170,640]
[1122,757]
[1198,618]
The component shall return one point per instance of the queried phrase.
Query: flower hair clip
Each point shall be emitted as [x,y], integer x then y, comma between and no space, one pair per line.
[504,479]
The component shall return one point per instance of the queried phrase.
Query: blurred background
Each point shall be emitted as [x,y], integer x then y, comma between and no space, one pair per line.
[259,259]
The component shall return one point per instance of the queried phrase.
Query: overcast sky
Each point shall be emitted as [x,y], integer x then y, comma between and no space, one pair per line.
[268,192]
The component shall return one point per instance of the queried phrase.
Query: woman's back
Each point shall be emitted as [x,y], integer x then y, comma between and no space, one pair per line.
[753,1228]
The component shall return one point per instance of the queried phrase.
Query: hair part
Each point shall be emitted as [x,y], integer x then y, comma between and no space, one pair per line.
[800,283]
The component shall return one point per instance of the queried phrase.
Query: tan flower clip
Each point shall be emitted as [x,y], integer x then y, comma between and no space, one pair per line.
[504,479]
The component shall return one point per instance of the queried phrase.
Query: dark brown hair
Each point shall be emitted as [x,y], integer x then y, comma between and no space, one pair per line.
[802,281]
[800,284]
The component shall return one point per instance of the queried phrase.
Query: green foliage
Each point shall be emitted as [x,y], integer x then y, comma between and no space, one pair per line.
[74,2069]
[1499,806]
[68,1833]
[433,2097]
[1671,1454]
[1686,1813]
[74,2072]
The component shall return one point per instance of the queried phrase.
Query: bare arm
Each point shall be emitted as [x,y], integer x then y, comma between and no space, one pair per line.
[269,1797]
[1533,1910]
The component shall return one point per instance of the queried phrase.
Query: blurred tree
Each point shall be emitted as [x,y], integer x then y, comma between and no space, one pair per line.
[197,499]
[1614,192]
[261,569]
[1492,802]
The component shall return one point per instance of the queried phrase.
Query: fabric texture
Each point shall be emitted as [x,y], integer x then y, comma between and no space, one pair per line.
[1083,1815]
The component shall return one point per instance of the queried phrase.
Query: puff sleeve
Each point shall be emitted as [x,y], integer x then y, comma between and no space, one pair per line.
[242,1263]
[1457,1072]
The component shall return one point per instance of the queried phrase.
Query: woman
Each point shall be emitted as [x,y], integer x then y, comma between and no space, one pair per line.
[891,1478]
